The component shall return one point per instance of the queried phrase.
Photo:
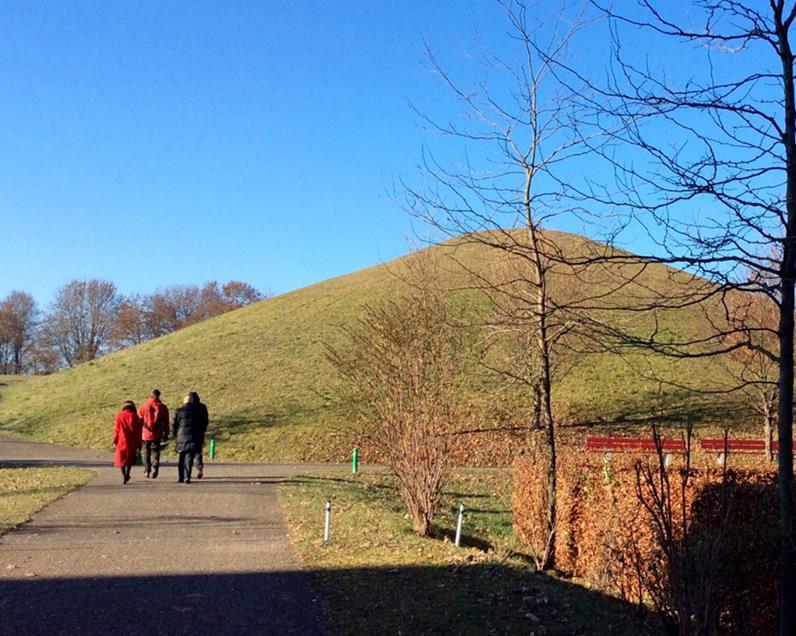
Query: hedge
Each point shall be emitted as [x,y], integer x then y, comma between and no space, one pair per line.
[607,538]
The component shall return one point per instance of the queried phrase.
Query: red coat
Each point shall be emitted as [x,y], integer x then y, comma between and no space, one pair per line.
[155,418]
[126,437]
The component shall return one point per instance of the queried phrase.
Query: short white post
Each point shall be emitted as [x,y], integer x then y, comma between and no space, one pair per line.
[327,525]
[459,521]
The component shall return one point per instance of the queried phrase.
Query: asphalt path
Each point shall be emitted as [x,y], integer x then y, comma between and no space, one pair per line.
[155,556]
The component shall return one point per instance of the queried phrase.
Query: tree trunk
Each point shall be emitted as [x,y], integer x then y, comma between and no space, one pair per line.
[536,423]
[768,433]
[787,598]
[547,560]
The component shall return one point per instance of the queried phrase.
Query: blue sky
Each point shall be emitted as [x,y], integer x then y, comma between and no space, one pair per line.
[153,143]
[156,143]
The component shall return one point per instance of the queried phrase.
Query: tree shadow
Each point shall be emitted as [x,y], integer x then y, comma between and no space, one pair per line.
[466,541]
[459,599]
[43,463]
[698,412]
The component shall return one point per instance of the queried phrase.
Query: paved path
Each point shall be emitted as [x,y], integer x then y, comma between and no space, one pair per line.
[154,556]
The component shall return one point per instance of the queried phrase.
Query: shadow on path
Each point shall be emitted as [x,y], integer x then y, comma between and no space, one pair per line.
[249,603]
[409,600]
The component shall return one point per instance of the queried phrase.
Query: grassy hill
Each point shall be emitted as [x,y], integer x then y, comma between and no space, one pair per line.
[271,392]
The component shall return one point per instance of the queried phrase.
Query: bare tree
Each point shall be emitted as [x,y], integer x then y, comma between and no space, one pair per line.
[178,306]
[18,314]
[704,157]
[130,325]
[44,357]
[520,134]
[401,361]
[5,345]
[172,308]
[751,370]
[511,348]
[237,294]
[80,322]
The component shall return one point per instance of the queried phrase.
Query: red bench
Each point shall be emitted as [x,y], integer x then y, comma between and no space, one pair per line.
[610,445]
[736,446]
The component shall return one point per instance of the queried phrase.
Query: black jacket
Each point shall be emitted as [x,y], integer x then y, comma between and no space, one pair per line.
[189,426]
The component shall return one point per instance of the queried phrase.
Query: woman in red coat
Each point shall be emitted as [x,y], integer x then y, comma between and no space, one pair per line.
[126,438]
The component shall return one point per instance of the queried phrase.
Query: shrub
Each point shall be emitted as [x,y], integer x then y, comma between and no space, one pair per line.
[610,540]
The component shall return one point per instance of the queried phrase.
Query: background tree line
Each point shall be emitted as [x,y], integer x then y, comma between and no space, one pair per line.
[88,318]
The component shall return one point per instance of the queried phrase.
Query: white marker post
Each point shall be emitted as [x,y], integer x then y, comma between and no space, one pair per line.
[327,525]
[459,521]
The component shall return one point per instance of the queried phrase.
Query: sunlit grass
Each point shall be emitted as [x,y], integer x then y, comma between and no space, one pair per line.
[273,395]
[25,491]
[376,576]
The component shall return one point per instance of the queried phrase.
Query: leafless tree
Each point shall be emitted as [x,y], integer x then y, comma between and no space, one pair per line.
[44,357]
[130,325]
[80,322]
[704,156]
[401,361]
[752,372]
[237,294]
[172,308]
[18,315]
[519,133]
[511,348]
[178,306]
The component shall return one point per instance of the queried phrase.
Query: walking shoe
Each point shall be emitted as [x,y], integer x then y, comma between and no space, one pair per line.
[199,473]
[154,474]
[147,474]
[187,481]
[126,479]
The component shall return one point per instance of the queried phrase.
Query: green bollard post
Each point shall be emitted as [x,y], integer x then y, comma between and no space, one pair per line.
[355,461]
[213,447]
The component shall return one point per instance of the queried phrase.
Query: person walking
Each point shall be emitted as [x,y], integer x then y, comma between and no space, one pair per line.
[200,465]
[154,415]
[126,438]
[188,427]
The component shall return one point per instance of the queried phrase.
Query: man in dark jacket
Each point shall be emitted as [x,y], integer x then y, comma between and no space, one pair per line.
[188,429]
[199,462]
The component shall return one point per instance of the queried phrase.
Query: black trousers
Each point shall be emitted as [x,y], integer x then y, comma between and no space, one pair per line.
[150,452]
[186,463]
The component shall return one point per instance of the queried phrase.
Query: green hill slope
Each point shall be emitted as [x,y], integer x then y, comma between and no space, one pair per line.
[263,373]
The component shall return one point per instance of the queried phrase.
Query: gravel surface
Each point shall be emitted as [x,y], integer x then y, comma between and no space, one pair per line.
[154,556]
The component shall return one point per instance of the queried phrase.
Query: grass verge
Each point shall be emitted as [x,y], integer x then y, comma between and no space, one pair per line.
[376,577]
[25,491]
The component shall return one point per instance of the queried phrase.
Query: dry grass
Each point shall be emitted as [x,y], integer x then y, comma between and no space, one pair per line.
[25,491]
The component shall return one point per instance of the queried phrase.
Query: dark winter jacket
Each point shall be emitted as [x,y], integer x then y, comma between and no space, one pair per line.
[200,406]
[189,426]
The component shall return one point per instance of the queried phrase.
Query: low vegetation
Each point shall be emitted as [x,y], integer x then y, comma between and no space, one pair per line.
[376,571]
[25,491]
[692,540]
